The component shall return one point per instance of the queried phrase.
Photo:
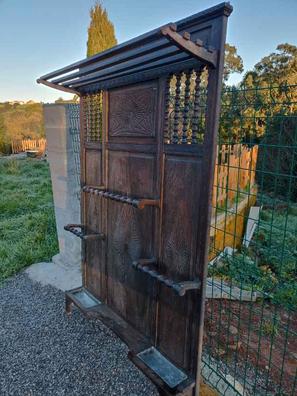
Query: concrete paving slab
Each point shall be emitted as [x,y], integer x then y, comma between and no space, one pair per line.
[56,275]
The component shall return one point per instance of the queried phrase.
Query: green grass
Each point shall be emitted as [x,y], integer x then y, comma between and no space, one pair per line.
[27,221]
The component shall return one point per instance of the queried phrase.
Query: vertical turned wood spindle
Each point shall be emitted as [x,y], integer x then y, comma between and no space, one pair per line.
[85,117]
[90,114]
[184,139]
[88,118]
[97,116]
[100,116]
[93,117]
[175,137]
[98,113]
[166,130]
[195,119]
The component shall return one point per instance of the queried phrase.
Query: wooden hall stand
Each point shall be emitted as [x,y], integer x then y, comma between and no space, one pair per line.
[149,119]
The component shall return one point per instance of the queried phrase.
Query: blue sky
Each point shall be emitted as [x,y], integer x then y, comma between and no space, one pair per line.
[38,36]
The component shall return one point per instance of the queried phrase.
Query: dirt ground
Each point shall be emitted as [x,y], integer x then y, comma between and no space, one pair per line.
[256,341]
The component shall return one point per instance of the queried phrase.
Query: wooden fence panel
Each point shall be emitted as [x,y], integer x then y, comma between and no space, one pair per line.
[234,172]
[19,146]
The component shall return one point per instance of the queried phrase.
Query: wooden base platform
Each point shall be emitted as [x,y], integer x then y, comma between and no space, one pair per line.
[91,307]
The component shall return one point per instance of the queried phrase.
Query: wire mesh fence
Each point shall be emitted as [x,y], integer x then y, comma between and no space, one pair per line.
[73,120]
[250,338]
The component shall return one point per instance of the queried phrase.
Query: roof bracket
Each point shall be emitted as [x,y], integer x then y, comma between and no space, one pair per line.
[206,55]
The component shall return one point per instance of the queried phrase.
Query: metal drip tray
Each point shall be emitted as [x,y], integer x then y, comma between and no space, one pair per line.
[170,374]
[85,299]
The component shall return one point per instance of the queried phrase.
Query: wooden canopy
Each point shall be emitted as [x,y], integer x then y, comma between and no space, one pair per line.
[170,48]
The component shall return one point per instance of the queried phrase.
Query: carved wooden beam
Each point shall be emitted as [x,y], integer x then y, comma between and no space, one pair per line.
[208,56]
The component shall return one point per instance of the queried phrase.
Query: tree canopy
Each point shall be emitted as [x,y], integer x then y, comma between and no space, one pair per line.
[233,61]
[101,33]
[232,64]
[20,121]
[280,67]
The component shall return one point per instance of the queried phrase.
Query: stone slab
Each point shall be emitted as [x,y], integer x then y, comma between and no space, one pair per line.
[58,276]
[218,289]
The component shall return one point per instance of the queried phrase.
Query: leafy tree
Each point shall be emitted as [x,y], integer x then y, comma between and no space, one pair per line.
[60,100]
[3,137]
[101,34]
[265,94]
[277,155]
[279,66]
[24,122]
[232,64]
[233,61]
[20,122]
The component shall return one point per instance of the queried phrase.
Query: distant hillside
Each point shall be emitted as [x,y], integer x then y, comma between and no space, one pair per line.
[19,121]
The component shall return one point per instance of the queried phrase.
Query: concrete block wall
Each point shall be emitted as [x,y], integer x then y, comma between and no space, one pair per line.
[63,167]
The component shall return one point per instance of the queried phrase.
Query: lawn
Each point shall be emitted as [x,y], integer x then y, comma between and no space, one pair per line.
[27,221]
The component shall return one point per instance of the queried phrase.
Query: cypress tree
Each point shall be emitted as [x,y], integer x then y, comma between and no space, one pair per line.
[101,34]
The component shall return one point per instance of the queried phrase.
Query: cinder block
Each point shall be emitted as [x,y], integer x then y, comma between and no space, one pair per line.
[63,167]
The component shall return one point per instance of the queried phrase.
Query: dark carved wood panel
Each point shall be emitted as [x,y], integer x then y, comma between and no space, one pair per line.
[137,174]
[132,111]
[130,237]
[94,249]
[179,236]
[93,167]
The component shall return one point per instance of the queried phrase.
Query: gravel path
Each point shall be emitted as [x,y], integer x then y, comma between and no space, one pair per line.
[42,352]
